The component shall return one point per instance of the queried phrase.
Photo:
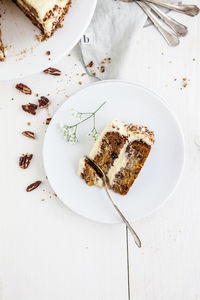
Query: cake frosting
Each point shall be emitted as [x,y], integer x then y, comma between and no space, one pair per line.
[48,13]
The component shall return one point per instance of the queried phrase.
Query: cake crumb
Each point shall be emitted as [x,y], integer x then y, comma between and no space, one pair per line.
[83,74]
[36,94]
[91,64]
[102,69]
[80,82]
[43,199]
[185,82]
[162,53]
[48,52]
[28,123]
[175,79]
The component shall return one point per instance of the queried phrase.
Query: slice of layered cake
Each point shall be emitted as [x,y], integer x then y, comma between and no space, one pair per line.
[47,15]
[2,49]
[120,151]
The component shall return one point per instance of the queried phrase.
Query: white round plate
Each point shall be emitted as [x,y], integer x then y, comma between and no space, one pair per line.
[25,54]
[129,103]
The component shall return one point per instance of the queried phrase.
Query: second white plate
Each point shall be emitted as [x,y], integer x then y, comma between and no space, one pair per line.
[132,104]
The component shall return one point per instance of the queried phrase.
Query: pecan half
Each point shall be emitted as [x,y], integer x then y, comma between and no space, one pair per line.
[48,121]
[29,134]
[30,108]
[43,102]
[33,186]
[25,160]
[52,71]
[23,88]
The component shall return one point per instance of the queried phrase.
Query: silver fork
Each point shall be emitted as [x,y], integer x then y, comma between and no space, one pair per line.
[103,177]
[171,38]
[178,28]
[190,10]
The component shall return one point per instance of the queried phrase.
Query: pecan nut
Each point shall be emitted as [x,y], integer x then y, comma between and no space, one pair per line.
[29,134]
[48,120]
[43,102]
[33,186]
[23,88]
[52,71]
[24,160]
[30,108]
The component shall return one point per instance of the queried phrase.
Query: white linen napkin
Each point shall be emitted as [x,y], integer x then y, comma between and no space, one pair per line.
[110,38]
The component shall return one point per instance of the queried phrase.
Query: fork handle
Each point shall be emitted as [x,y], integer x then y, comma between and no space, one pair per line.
[171,38]
[178,28]
[132,231]
[190,10]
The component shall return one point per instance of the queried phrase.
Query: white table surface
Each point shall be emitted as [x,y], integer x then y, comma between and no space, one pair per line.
[46,251]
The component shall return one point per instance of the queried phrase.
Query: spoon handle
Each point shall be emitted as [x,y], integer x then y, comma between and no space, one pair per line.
[190,10]
[178,28]
[171,38]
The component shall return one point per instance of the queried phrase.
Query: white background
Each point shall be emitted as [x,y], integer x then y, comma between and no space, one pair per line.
[46,251]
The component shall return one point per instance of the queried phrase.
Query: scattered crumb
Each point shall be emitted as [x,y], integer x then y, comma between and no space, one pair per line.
[80,82]
[175,79]
[69,54]
[185,84]
[55,195]
[48,53]
[83,74]
[43,199]
[12,99]
[94,74]
[48,120]
[193,59]
[36,94]
[90,65]
[170,62]
[29,123]
[102,69]
[162,53]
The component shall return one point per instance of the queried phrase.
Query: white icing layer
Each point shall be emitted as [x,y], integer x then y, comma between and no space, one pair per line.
[44,6]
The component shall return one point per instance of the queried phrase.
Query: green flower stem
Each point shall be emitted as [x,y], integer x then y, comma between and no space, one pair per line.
[91,115]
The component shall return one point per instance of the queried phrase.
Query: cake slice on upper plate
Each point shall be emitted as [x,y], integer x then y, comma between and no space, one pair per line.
[47,15]
[2,49]
[120,151]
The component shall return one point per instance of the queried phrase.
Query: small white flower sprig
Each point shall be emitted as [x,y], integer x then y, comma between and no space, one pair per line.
[70,131]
